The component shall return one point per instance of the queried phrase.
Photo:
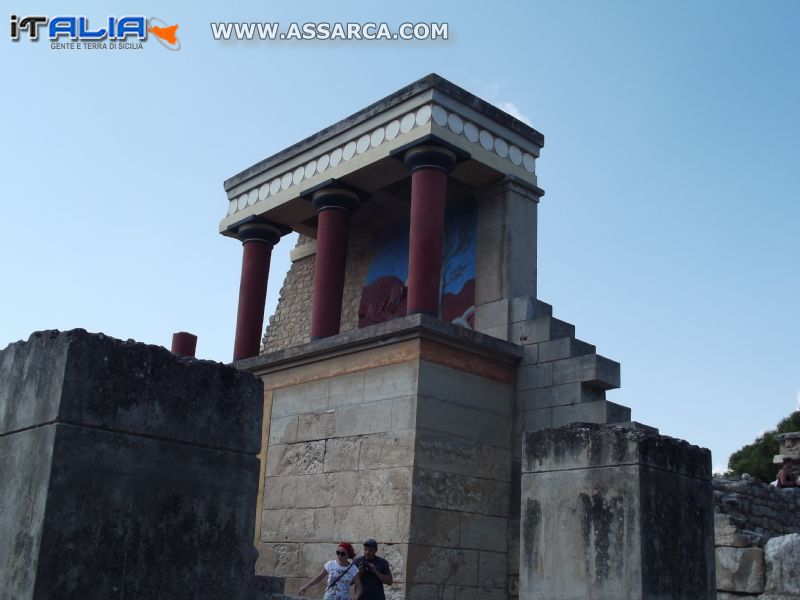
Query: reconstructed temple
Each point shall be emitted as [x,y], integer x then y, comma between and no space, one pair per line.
[410,355]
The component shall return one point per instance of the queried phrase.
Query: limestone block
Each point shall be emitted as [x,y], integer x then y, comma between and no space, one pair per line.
[395,555]
[341,454]
[500,332]
[566,347]
[491,314]
[524,308]
[444,453]
[390,382]
[296,459]
[451,491]
[280,492]
[386,524]
[473,425]
[534,376]
[782,555]
[558,395]
[592,369]
[492,569]
[530,354]
[540,330]
[383,486]
[468,390]
[432,564]
[302,398]
[287,525]
[732,596]
[346,390]
[314,556]
[316,426]
[450,592]
[483,532]
[278,559]
[404,413]
[740,570]
[431,526]
[358,419]
[601,411]
[534,420]
[283,430]
[727,533]
[325,489]
[393,449]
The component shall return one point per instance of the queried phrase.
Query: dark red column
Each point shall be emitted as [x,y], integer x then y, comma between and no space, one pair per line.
[258,239]
[429,166]
[334,207]
[184,344]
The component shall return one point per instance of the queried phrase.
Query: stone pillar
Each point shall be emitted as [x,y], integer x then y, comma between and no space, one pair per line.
[505,277]
[429,166]
[258,239]
[615,513]
[334,207]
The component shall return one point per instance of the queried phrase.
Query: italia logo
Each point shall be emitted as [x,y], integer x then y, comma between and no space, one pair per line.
[129,30]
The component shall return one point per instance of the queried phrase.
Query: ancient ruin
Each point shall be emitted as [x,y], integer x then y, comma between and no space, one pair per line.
[409,356]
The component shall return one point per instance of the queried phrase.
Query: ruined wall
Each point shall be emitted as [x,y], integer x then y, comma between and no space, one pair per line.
[757,506]
[126,470]
[749,515]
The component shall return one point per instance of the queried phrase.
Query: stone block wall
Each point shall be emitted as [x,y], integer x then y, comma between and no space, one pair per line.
[749,516]
[125,471]
[405,441]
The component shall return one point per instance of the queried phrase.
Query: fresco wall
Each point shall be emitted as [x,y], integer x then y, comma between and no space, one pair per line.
[383,297]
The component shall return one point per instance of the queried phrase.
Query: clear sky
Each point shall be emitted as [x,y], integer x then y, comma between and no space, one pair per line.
[668,235]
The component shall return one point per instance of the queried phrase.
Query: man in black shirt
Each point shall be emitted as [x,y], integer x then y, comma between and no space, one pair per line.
[373,574]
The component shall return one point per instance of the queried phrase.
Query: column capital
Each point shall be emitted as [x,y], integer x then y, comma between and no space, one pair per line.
[338,198]
[429,157]
[257,229]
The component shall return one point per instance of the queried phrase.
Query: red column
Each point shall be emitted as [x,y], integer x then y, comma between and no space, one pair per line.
[429,166]
[334,207]
[258,239]
[184,344]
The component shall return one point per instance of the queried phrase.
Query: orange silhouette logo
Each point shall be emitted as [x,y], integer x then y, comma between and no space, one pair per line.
[166,35]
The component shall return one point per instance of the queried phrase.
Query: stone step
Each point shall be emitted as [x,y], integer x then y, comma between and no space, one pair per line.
[558,395]
[593,370]
[566,347]
[540,330]
[600,411]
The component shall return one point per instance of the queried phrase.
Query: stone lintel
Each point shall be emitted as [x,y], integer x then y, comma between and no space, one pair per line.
[416,337]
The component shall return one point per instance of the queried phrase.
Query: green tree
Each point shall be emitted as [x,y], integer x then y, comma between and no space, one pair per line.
[756,458]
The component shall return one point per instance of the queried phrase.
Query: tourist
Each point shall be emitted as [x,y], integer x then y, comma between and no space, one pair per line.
[373,574]
[340,573]
[787,476]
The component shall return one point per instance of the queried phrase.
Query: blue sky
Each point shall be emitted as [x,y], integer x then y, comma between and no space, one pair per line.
[668,234]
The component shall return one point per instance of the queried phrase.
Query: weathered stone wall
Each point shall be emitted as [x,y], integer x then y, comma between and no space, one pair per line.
[749,515]
[758,507]
[612,512]
[125,467]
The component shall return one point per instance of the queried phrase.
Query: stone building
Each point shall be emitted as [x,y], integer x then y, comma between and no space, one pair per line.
[409,353]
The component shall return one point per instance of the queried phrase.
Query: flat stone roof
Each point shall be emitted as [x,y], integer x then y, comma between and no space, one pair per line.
[359,151]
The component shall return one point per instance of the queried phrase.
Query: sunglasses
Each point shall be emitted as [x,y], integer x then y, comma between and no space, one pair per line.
[340,553]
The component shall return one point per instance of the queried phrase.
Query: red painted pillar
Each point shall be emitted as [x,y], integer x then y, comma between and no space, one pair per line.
[184,344]
[429,166]
[258,238]
[334,207]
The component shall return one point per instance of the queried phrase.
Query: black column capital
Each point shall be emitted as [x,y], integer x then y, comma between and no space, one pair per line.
[429,157]
[338,198]
[257,229]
